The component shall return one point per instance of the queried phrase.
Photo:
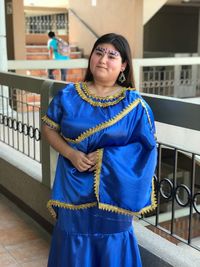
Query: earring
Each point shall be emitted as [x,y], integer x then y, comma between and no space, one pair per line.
[122,77]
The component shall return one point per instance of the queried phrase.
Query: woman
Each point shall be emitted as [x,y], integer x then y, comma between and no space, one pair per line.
[53,45]
[104,133]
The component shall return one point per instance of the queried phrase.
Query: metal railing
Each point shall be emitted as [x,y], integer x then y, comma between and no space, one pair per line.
[19,121]
[42,24]
[23,101]
[176,77]
[178,196]
[170,80]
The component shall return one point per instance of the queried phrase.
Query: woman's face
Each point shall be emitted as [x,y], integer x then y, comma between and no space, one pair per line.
[106,63]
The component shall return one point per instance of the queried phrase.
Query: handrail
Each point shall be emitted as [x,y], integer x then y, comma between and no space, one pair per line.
[83,22]
[47,64]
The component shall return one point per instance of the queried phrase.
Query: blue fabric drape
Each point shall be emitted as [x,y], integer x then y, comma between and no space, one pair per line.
[121,129]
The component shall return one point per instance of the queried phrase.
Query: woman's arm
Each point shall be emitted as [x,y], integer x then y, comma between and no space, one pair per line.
[79,159]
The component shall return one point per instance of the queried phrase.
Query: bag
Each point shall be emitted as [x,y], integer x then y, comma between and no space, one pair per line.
[63,47]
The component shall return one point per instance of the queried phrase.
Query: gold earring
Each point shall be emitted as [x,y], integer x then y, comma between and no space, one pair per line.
[122,77]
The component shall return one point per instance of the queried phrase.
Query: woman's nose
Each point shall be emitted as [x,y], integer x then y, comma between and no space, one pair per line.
[103,58]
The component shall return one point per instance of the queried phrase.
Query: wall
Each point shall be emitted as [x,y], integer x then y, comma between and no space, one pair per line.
[122,16]
[150,8]
[28,190]
[173,29]
[15,29]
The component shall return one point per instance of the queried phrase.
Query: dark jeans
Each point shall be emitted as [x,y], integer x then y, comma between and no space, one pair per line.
[63,74]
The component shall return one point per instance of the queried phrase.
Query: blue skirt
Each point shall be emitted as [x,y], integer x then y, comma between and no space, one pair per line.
[93,238]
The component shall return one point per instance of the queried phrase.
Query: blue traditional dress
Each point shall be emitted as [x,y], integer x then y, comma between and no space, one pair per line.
[94,210]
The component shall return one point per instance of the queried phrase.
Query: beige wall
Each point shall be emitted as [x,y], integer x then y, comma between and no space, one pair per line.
[122,16]
[15,28]
[151,7]
[27,189]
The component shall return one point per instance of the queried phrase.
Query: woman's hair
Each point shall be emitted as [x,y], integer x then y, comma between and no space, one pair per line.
[121,44]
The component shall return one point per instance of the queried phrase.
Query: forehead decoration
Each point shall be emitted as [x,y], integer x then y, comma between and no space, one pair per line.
[110,52]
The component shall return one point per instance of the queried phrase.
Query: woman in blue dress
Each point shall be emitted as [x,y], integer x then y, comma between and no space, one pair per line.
[104,133]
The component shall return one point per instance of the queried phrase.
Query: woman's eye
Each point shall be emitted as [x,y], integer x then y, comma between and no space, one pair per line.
[111,56]
[99,53]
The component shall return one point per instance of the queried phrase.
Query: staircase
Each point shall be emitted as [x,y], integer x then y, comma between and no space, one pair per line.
[40,52]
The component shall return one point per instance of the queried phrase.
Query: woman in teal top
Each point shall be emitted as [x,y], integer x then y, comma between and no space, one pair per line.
[104,133]
[52,46]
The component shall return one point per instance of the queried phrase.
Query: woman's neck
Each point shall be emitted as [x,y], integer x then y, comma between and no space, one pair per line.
[103,90]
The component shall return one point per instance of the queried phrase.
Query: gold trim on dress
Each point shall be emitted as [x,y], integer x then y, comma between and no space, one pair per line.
[97,103]
[116,209]
[104,125]
[113,208]
[50,123]
[154,204]
[108,98]
[60,204]
[97,172]
[148,116]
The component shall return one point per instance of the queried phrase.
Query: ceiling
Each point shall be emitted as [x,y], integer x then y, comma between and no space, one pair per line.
[65,3]
[46,3]
[184,2]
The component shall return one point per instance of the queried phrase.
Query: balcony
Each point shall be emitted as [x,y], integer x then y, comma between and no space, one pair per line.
[27,169]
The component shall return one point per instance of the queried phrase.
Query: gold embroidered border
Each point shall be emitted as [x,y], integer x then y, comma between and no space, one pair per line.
[60,204]
[154,204]
[108,98]
[112,208]
[116,209]
[148,116]
[95,103]
[145,210]
[104,125]
[97,173]
[50,123]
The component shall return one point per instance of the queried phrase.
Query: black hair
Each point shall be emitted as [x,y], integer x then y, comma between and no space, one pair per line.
[51,34]
[122,45]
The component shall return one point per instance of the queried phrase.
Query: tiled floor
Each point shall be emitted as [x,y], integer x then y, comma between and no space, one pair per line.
[23,243]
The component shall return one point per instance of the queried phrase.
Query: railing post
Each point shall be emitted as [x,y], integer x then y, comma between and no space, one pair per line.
[192,186]
[45,148]
[137,73]
[174,186]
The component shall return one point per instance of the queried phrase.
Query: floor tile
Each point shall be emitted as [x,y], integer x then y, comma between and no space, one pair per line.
[23,242]
[29,251]
[6,260]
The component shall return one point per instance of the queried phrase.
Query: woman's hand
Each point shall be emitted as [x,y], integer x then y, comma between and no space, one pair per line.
[80,160]
[93,158]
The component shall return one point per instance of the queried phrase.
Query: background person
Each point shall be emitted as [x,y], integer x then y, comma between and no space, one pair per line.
[52,46]
[104,133]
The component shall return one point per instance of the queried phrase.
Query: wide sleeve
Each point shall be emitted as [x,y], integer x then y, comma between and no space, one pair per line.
[54,112]
[124,175]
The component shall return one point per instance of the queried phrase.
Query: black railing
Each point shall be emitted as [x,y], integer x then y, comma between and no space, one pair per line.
[178,195]
[19,121]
